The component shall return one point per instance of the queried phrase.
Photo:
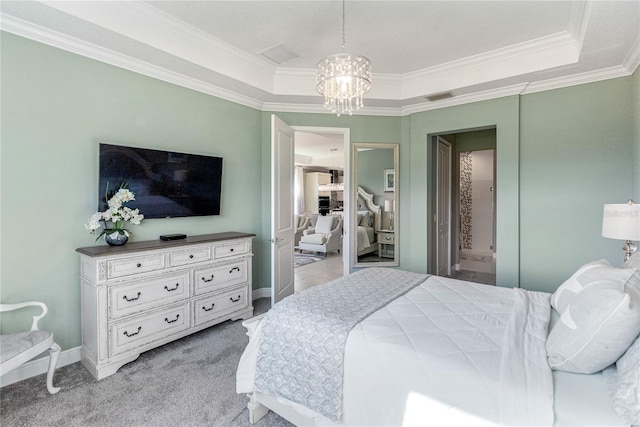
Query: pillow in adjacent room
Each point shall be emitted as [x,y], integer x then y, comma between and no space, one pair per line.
[623,381]
[324,224]
[364,219]
[598,326]
[585,275]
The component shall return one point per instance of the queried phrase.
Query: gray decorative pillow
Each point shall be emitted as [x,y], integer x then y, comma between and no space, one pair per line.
[623,381]
[599,325]
[366,220]
[585,275]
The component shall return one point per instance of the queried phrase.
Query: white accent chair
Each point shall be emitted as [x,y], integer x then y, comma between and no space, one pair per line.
[302,223]
[18,348]
[325,237]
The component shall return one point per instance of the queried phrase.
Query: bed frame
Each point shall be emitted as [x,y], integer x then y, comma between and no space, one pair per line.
[365,200]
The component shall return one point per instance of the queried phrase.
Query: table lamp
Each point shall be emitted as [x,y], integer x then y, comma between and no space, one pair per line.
[622,221]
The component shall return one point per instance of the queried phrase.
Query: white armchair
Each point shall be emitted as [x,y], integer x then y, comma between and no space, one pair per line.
[17,349]
[325,237]
[303,222]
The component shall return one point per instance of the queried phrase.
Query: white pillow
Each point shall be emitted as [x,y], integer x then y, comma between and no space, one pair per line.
[575,284]
[325,224]
[623,380]
[599,325]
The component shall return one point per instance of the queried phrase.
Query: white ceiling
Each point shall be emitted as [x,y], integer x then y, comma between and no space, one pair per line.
[475,49]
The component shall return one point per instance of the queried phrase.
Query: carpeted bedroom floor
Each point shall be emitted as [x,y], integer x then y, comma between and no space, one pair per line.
[189,382]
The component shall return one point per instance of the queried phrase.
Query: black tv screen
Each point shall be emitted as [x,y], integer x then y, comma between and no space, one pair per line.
[166,184]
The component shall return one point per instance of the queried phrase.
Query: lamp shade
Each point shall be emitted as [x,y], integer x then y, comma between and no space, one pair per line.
[621,222]
[388,205]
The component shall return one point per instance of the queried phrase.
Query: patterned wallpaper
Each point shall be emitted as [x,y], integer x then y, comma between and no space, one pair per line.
[466,232]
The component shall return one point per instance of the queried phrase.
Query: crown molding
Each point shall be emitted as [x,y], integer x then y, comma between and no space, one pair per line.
[58,40]
[146,24]
[387,86]
[578,79]
[502,92]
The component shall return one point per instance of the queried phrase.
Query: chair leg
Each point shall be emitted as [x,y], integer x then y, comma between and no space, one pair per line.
[54,355]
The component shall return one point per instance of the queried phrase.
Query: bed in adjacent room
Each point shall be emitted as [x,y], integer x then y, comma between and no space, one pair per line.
[389,347]
[369,217]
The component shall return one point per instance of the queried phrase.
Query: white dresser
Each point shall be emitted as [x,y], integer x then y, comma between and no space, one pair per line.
[145,294]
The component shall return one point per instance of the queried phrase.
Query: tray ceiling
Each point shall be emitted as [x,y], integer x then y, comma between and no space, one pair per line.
[473,49]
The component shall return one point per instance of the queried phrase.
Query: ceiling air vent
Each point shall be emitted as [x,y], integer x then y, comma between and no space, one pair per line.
[279,54]
[439,96]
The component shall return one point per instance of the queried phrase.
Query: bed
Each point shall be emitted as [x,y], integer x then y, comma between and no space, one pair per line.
[369,217]
[430,350]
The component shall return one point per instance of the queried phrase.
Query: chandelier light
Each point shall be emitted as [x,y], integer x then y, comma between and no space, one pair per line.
[343,78]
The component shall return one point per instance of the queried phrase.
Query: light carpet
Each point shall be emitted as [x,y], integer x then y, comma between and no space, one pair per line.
[189,382]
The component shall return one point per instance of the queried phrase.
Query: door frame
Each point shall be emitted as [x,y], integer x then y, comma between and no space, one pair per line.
[346,136]
[438,140]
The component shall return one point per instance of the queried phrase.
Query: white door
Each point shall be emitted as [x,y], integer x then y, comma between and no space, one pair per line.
[443,208]
[282,227]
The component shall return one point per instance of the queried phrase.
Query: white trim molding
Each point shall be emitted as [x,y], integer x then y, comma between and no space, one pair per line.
[40,366]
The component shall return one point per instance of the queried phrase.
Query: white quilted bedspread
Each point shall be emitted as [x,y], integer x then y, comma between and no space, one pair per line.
[446,353]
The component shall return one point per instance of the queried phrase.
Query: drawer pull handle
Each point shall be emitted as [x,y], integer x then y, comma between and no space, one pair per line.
[129,335]
[234,269]
[207,280]
[191,256]
[172,289]
[172,321]
[235,300]
[124,297]
[138,265]
[209,309]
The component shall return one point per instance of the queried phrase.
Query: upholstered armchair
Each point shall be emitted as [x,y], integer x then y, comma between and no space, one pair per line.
[18,348]
[325,237]
[302,223]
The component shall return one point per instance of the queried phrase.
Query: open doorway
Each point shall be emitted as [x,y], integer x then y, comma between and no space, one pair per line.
[321,166]
[469,184]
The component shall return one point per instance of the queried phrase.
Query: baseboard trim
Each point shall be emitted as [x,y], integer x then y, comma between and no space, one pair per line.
[40,366]
[261,293]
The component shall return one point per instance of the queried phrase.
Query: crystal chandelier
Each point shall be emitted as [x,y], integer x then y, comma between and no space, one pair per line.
[343,78]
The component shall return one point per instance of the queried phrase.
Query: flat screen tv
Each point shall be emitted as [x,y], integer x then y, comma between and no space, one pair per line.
[166,184]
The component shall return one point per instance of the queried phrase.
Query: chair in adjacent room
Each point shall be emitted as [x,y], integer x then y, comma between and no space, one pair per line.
[302,223]
[325,237]
[18,348]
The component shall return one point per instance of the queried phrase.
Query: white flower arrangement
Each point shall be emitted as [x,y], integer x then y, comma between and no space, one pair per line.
[116,214]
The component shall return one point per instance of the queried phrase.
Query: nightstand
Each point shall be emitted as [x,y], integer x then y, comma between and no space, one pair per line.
[386,243]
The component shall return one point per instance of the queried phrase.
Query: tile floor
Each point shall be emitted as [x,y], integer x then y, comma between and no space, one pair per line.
[318,272]
[330,268]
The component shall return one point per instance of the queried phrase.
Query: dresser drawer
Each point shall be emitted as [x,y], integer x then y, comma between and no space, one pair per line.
[134,265]
[129,299]
[386,238]
[209,308]
[190,256]
[221,276]
[129,334]
[231,249]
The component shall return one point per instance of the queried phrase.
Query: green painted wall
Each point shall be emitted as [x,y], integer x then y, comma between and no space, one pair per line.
[576,155]
[478,140]
[56,107]
[502,113]
[561,155]
[371,166]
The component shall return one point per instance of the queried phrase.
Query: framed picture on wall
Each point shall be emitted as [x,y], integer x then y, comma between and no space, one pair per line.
[389,180]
